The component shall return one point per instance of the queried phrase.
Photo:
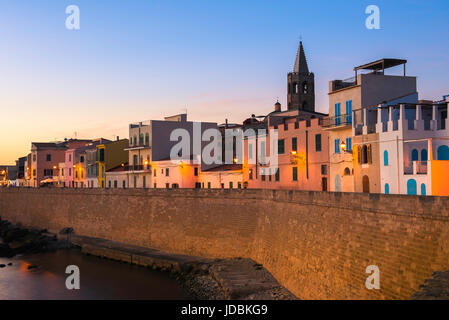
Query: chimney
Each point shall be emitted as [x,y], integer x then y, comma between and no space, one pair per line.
[277,107]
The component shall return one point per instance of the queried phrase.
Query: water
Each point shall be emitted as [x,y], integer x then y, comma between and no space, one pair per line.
[99,279]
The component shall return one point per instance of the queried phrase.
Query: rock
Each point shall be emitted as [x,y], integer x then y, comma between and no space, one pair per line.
[2,265]
[6,251]
[31,267]
[10,264]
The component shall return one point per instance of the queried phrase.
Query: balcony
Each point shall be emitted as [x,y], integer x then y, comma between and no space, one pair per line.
[415,167]
[137,167]
[338,121]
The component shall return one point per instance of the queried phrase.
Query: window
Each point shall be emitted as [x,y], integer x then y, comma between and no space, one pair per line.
[263,152]
[318,143]
[115,184]
[295,173]
[365,156]
[144,181]
[250,151]
[48,157]
[269,174]
[82,159]
[424,155]
[323,169]
[295,144]
[208,185]
[135,182]
[387,188]
[167,172]
[70,172]
[349,144]
[76,174]
[423,189]
[135,140]
[337,146]
[385,158]
[230,185]
[34,157]
[281,146]
[109,184]
[141,139]
[155,186]
[263,174]
[338,114]
[349,111]
[147,139]
[101,155]
[347,172]
[239,185]
[195,170]
[124,184]
[250,174]
[155,172]
[276,176]
[414,155]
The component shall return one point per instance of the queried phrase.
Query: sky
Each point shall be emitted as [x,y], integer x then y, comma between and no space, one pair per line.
[137,60]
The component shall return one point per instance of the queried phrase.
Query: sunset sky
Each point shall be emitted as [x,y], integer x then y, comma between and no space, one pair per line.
[138,60]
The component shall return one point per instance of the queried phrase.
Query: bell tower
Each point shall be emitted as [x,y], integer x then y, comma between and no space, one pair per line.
[301,84]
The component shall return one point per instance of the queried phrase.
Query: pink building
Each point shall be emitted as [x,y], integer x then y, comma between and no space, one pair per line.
[303,160]
[45,159]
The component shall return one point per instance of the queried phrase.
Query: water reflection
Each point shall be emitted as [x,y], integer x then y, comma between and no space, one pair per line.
[100,279]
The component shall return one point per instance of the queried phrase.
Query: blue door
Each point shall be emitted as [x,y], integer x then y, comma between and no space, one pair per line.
[412,187]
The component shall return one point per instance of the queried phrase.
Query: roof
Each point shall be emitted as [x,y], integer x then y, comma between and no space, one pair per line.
[48,145]
[381,64]
[301,61]
[225,167]
[119,168]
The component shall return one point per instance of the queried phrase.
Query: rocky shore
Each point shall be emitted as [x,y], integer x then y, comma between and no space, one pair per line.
[15,240]
[202,279]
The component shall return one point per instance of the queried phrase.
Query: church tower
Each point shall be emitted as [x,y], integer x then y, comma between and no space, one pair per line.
[301,84]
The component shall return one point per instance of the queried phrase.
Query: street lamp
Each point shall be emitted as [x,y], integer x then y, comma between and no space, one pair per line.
[343,147]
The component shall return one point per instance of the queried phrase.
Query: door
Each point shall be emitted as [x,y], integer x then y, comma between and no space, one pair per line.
[324,184]
[365,183]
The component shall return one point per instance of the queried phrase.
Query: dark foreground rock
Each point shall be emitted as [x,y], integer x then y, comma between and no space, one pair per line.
[436,288]
[17,240]
[204,279]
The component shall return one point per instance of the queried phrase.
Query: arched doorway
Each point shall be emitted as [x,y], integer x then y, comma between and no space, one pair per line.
[443,153]
[337,183]
[365,182]
[412,187]
[424,156]
[414,155]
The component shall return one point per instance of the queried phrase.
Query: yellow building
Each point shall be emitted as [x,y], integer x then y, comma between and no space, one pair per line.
[110,155]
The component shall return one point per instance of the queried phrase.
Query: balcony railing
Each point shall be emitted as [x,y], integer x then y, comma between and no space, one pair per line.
[421,167]
[137,167]
[338,121]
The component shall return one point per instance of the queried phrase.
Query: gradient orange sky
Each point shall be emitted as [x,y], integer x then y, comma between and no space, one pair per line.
[139,60]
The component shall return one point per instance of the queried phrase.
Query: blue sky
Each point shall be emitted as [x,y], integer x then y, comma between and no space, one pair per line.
[139,59]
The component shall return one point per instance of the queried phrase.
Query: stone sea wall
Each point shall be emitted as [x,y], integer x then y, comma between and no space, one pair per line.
[317,245]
